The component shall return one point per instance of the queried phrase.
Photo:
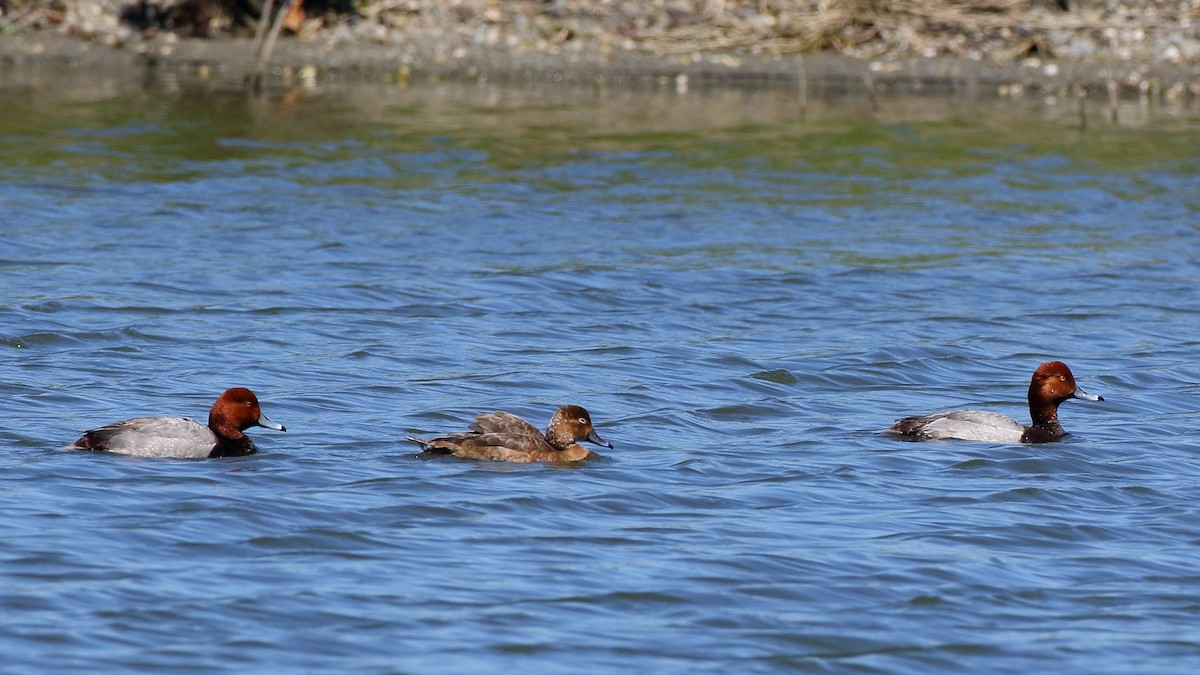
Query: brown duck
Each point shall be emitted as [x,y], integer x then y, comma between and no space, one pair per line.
[504,437]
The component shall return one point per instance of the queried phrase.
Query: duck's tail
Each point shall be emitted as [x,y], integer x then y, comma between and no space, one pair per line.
[430,445]
[908,426]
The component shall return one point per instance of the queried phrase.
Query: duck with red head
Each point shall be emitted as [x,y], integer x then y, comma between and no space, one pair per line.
[1052,384]
[235,411]
[504,437]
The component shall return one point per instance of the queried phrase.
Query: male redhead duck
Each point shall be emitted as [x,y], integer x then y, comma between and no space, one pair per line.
[504,437]
[235,410]
[1052,384]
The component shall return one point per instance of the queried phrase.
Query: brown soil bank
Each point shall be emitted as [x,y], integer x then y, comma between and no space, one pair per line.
[1145,47]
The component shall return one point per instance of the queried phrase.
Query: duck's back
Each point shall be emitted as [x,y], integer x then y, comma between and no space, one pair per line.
[151,437]
[504,447]
[503,423]
[968,425]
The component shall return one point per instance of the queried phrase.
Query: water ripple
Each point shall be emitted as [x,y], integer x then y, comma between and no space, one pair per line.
[742,306]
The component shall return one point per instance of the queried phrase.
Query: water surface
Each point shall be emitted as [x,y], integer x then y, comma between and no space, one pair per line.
[742,290]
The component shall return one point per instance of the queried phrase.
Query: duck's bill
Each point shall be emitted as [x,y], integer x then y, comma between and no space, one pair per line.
[264,421]
[1079,393]
[595,438]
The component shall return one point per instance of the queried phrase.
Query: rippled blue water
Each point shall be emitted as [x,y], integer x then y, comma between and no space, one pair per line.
[742,293]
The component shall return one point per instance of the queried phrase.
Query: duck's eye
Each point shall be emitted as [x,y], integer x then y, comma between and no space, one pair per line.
[1062,377]
[582,421]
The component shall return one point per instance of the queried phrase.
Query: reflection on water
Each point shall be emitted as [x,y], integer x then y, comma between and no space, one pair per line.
[742,292]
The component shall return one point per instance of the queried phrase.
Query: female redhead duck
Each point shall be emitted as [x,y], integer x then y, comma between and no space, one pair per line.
[504,437]
[235,410]
[1052,384]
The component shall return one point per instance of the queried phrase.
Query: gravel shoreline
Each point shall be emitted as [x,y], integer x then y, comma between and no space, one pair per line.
[1133,47]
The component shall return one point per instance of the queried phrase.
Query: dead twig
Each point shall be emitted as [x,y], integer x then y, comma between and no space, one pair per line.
[264,48]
